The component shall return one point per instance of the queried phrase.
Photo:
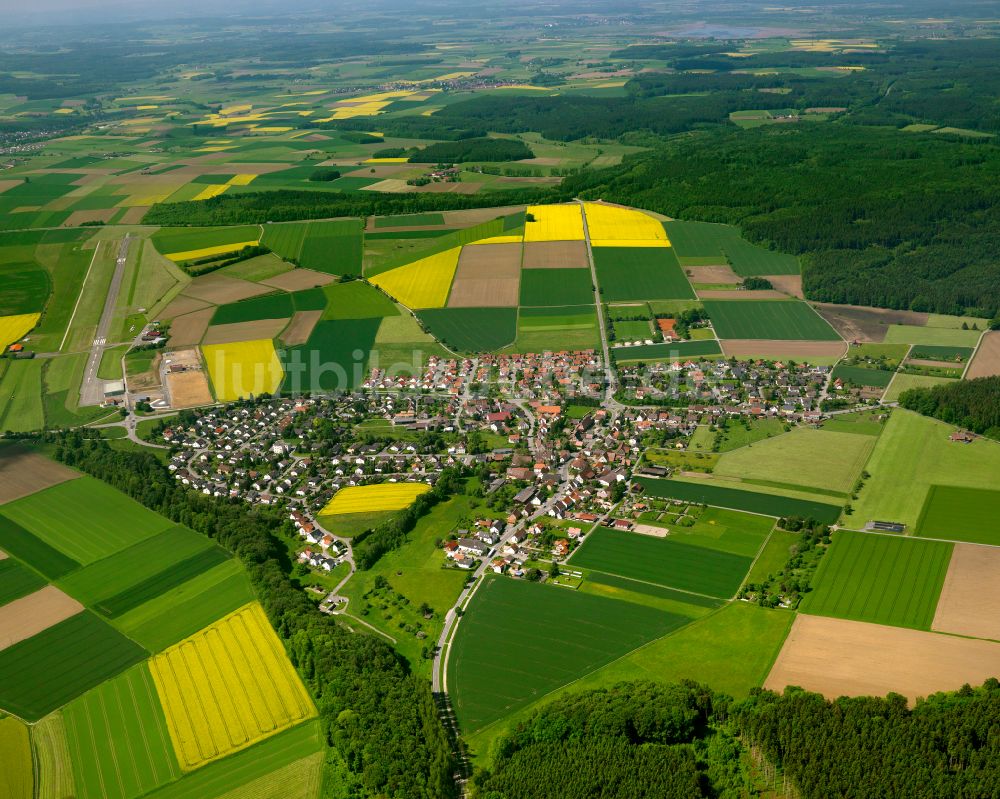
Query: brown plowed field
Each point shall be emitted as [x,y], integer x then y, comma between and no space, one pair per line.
[189,329]
[488,275]
[773,348]
[473,216]
[220,289]
[244,331]
[970,599]
[24,472]
[34,613]
[299,279]
[181,305]
[189,389]
[300,327]
[712,274]
[855,322]
[788,284]
[836,657]
[986,361]
[555,255]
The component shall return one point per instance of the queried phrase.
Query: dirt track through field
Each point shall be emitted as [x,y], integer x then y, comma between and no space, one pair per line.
[220,289]
[773,348]
[986,362]
[244,331]
[970,598]
[23,472]
[855,322]
[34,613]
[835,657]
[555,255]
[299,279]
[300,327]
[188,329]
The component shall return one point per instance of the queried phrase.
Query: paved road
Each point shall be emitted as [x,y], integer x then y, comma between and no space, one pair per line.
[92,388]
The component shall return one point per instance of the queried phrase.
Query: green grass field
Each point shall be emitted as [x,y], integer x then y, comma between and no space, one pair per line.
[724,530]
[768,319]
[173,240]
[472,329]
[865,423]
[663,561]
[677,350]
[85,518]
[912,454]
[546,287]
[612,586]
[409,220]
[15,755]
[270,306]
[182,611]
[28,548]
[45,671]
[561,635]
[559,328]
[286,239]
[703,491]
[903,382]
[17,581]
[705,243]
[334,358]
[640,273]
[260,268]
[934,336]
[21,406]
[357,300]
[880,579]
[860,376]
[53,761]
[804,458]
[742,432]
[961,514]
[633,331]
[117,735]
[932,352]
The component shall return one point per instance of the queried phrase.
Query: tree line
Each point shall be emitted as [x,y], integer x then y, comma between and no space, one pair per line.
[972,404]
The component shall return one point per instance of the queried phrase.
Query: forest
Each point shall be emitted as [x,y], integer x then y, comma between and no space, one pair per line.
[478,149]
[380,720]
[971,404]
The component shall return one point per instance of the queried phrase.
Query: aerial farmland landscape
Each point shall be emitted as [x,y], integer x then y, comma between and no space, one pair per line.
[543,401]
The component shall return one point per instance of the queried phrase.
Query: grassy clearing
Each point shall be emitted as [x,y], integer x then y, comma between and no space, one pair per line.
[880,579]
[803,457]
[912,454]
[112,521]
[663,561]
[961,514]
[45,671]
[640,273]
[15,755]
[561,635]
[118,738]
[472,329]
[768,319]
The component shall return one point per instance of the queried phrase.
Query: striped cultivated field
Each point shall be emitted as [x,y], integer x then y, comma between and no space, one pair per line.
[227,687]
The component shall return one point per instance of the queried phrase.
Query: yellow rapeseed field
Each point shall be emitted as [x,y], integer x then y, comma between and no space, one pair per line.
[241,180]
[554,223]
[373,498]
[499,240]
[629,242]
[211,190]
[386,160]
[424,283]
[611,223]
[13,328]
[227,687]
[204,252]
[243,368]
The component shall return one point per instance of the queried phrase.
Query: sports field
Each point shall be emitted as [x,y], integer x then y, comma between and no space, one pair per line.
[786,320]
[13,328]
[561,635]
[640,273]
[703,491]
[610,223]
[240,369]
[472,329]
[85,518]
[961,514]
[880,579]
[663,561]
[424,283]
[228,687]
[47,670]
[554,223]
[912,454]
[803,458]
[379,497]
[117,737]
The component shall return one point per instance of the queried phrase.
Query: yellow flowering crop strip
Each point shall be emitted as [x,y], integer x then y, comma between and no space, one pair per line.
[210,191]
[424,283]
[227,687]
[611,223]
[13,328]
[554,223]
[204,252]
[373,498]
[243,368]
[498,240]
[241,180]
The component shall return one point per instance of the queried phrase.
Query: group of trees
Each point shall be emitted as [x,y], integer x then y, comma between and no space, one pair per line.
[465,150]
[380,720]
[972,404]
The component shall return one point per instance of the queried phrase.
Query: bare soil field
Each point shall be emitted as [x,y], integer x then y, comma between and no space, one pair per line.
[787,284]
[835,657]
[555,255]
[774,348]
[9,184]
[188,329]
[220,289]
[487,276]
[723,273]
[34,613]
[970,599]
[189,389]
[181,305]
[391,186]
[3,555]
[78,218]
[473,216]
[300,327]
[737,294]
[298,279]
[244,331]
[934,364]
[149,379]
[24,472]
[484,293]
[986,361]
[134,215]
[448,188]
[855,322]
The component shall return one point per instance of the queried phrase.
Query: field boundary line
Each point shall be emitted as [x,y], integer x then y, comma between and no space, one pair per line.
[660,585]
[79,295]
